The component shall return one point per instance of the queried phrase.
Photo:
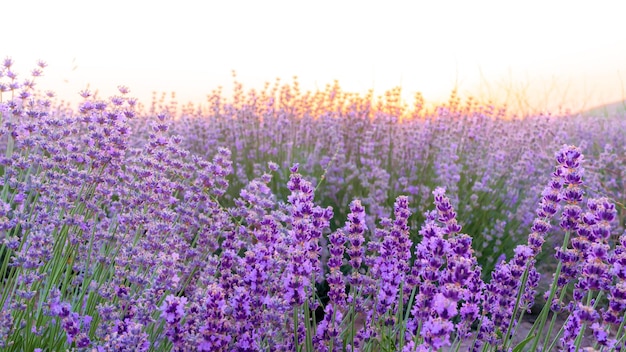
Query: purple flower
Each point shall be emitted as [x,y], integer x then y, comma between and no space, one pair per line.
[391,266]
[296,279]
[214,334]
[329,329]
[436,332]
[173,311]
[445,307]
[75,327]
[602,337]
[272,166]
[335,278]
[445,273]
[8,62]
[502,290]
[130,338]
[308,222]
[446,213]
[613,314]
[499,292]
[356,227]
[582,314]
[430,254]
[6,326]
[246,319]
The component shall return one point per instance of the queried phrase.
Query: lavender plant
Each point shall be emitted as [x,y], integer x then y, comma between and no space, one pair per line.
[127,230]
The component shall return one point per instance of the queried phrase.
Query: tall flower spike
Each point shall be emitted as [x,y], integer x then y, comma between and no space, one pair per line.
[614,313]
[356,227]
[335,278]
[506,278]
[446,213]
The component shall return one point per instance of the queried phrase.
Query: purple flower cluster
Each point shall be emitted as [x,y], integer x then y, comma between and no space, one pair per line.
[592,267]
[392,263]
[519,276]
[75,326]
[307,224]
[447,279]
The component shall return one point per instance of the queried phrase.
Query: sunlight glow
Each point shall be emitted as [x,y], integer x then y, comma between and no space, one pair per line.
[535,54]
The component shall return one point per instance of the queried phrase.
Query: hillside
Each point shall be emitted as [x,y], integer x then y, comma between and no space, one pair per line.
[618,107]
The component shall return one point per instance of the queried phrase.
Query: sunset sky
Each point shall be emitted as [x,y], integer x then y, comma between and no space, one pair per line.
[544,54]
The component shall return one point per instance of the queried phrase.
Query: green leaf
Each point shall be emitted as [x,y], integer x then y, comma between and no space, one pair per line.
[522,344]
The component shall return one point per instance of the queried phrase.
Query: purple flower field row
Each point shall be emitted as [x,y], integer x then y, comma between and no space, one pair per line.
[493,166]
[281,221]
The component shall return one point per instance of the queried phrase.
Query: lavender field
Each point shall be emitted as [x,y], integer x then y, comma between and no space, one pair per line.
[278,220]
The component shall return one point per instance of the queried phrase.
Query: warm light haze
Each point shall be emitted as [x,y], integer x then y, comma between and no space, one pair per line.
[533,55]
[299,176]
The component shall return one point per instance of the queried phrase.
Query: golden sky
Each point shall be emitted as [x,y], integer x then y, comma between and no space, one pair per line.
[541,53]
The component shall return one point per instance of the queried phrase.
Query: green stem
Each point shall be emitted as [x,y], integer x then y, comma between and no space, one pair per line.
[400,316]
[546,308]
[507,342]
[553,321]
[295,329]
